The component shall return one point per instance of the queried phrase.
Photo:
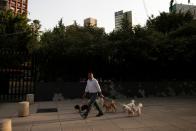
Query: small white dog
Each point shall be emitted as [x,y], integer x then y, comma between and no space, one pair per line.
[132,109]
[130,105]
[138,109]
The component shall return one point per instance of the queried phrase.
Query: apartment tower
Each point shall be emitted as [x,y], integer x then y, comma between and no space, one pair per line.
[119,16]
[90,22]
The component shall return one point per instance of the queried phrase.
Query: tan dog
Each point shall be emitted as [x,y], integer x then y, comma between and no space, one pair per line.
[110,106]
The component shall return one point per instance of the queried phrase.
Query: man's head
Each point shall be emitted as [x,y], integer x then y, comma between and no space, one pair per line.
[90,75]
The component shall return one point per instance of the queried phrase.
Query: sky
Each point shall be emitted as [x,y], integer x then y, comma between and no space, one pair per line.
[49,12]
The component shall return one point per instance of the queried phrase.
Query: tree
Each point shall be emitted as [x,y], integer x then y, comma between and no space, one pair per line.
[168,22]
[15,32]
[34,42]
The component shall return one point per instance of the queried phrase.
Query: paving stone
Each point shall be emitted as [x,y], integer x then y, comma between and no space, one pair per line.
[127,123]
[165,128]
[139,129]
[77,129]
[21,128]
[191,119]
[46,127]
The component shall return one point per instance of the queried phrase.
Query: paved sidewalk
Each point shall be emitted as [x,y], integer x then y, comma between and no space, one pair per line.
[159,114]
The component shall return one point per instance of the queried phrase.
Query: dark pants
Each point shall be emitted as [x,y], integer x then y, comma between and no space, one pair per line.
[93,97]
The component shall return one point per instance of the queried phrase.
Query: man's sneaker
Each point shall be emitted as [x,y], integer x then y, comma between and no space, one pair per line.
[99,114]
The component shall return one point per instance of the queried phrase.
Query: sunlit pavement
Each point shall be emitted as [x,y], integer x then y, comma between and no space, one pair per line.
[159,114]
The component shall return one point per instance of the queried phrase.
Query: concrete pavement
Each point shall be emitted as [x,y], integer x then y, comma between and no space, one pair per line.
[159,114]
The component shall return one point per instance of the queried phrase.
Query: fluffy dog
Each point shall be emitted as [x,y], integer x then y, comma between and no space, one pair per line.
[81,108]
[138,109]
[133,110]
[130,105]
[110,106]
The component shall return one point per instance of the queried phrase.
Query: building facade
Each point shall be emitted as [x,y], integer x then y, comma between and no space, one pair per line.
[183,8]
[90,22]
[18,6]
[119,16]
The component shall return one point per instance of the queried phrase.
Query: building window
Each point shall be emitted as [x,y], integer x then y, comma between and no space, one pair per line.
[19,5]
[24,1]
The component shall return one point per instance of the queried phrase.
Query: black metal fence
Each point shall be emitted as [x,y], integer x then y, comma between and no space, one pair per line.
[17,75]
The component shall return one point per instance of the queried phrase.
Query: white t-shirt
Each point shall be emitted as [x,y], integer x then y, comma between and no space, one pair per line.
[92,86]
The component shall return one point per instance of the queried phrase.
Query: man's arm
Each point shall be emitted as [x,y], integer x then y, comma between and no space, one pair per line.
[97,86]
[99,89]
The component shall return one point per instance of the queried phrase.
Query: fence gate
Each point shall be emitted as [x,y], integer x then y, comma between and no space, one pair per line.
[17,71]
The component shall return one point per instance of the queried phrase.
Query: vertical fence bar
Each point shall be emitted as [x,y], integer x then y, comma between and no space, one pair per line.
[21,68]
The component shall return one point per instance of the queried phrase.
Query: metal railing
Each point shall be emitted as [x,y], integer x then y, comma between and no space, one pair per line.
[17,75]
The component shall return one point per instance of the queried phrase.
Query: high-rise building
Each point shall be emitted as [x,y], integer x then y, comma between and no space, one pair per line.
[18,6]
[183,8]
[90,22]
[119,16]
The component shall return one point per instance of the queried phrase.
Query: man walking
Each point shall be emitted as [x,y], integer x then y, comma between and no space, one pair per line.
[94,90]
